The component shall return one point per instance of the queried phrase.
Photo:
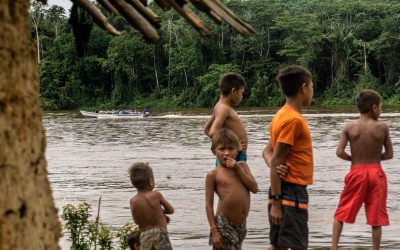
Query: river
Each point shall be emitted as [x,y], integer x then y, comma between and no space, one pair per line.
[89,158]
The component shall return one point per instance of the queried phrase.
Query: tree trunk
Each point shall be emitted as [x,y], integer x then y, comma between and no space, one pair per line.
[155,67]
[37,43]
[365,59]
[28,217]
[169,53]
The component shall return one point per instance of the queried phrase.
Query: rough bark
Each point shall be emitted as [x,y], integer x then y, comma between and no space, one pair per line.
[28,217]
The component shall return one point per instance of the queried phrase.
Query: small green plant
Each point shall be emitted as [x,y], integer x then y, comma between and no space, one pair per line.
[77,219]
[87,234]
[105,237]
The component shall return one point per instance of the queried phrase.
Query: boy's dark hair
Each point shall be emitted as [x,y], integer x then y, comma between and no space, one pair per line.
[366,99]
[225,137]
[291,78]
[229,81]
[132,239]
[140,174]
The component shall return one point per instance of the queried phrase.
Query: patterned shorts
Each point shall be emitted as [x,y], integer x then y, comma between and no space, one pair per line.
[232,234]
[155,239]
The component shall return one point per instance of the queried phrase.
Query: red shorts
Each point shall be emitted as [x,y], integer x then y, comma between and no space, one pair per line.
[365,183]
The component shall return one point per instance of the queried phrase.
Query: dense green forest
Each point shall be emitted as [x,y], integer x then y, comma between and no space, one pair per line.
[347,45]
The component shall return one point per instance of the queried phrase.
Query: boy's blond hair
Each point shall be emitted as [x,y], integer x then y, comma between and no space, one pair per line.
[140,174]
[225,137]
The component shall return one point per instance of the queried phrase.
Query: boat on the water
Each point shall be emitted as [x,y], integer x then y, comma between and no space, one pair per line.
[109,114]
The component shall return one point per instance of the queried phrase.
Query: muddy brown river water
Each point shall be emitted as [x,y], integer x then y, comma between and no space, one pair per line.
[89,158]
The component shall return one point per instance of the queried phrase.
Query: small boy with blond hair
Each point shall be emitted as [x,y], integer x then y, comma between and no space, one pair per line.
[232,182]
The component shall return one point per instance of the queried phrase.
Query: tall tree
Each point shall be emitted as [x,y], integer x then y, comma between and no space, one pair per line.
[36,17]
[55,16]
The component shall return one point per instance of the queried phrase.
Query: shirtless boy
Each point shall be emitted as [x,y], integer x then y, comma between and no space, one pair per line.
[232,183]
[231,86]
[366,181]
[148,209]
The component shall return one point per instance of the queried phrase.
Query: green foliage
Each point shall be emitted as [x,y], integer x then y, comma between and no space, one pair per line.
[341,42]
[366,81]
[339,92]
[105,237]
[77,219]
[265,93]
[85,233]
[209,83]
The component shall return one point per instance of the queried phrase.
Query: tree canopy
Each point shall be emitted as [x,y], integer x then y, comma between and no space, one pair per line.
[347,45]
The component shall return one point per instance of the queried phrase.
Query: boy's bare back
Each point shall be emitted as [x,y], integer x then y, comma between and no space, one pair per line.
[367,138]
[224,116]
[148,209]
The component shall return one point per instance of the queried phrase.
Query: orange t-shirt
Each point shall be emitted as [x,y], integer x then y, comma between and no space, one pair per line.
[290,127]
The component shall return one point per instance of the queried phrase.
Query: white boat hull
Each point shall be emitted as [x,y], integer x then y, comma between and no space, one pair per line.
[110,116]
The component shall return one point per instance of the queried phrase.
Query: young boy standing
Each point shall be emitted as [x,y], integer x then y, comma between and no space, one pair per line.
[232,182]
[148,209]
[231,86]
[366,181]
[290,145]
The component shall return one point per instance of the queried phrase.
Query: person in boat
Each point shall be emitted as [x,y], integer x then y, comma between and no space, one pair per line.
[366,181]
[146,111]
[148,209]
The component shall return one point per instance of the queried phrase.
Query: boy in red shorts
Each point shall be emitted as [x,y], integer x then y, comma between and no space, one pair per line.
[366,181]
[290,145]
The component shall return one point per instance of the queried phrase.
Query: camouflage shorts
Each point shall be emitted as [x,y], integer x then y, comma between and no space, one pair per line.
[155,239]
[232,234]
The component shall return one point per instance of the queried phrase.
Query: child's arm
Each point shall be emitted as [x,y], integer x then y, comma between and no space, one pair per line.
[244,174]
[278,158]
[388,154]
[340,151]
[132,205]
[220,115]
[210,187]
[208,125]
[267,154]
[282,169]
[168,208]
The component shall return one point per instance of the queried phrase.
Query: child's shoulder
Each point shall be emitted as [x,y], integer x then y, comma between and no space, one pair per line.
[148,195]
[351,124]
[382,125]
[212,173]
[154,194]
[222,107]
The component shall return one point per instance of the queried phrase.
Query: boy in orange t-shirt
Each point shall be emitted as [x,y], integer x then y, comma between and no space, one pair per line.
[290,145]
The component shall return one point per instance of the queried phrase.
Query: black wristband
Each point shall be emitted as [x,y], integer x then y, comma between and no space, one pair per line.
[275,197]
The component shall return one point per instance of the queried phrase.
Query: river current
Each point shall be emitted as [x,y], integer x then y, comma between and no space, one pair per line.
[89,158]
